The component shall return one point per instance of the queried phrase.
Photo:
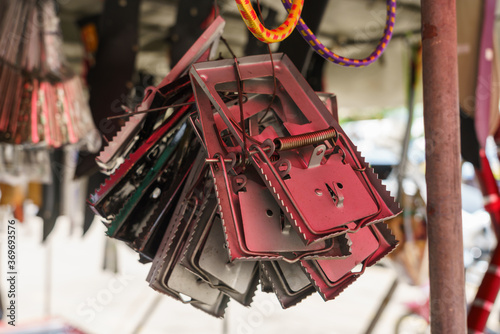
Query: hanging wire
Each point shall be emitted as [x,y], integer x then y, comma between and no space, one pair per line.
[240,103]
[274,73]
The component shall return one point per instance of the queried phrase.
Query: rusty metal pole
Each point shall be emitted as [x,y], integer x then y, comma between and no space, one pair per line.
[441,121]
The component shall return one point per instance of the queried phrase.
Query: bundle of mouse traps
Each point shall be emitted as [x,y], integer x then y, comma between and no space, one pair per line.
[233,173]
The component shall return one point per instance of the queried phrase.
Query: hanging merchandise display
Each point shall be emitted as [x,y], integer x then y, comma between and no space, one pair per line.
[234,172]
[42,105]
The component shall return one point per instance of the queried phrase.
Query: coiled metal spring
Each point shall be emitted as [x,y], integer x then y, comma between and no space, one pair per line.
[292,142]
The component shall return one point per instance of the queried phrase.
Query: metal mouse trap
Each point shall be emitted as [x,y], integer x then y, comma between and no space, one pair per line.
[314,163]
[256,227]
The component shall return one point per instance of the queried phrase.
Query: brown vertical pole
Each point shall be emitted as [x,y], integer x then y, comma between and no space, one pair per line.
[441,121]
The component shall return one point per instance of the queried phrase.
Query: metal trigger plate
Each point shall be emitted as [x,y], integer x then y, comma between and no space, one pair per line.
[214,260]
[262,225]
[317,191]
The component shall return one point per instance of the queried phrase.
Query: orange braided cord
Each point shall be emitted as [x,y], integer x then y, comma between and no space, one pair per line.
[257,28]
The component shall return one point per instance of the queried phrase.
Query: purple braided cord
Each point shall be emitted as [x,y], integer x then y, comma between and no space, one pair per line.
[324,52]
